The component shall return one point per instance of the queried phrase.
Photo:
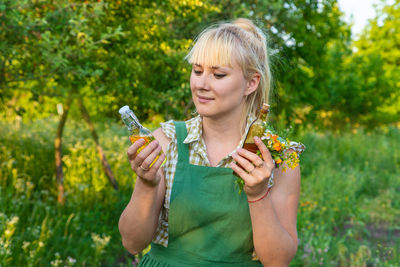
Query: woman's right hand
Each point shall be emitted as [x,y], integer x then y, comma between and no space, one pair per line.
[140,162]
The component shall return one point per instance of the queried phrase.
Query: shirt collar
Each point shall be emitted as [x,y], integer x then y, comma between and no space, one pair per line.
[194,129]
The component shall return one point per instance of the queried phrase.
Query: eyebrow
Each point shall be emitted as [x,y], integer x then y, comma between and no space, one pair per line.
[213,67]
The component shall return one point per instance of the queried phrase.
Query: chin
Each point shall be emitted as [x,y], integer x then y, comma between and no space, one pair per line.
[203,112]
[201,109]
[211,111]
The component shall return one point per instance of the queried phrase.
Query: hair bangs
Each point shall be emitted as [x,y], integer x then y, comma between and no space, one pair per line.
[214,48]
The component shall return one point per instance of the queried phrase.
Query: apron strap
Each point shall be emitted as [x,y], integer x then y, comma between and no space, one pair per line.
[181,134]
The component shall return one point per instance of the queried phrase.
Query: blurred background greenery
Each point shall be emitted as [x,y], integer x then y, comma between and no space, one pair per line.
[67,66]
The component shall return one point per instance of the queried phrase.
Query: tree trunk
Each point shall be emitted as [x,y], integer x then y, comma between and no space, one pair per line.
[106,166]
[58,152]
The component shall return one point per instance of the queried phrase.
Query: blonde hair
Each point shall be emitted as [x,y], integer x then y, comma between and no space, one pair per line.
[243,42]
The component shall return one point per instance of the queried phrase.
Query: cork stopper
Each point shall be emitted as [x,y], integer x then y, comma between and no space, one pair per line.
[265,108]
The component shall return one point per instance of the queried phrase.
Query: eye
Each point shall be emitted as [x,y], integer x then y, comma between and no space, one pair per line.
[219,76]
[197,72]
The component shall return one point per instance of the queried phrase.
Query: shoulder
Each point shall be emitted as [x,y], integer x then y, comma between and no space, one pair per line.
[165,134]
[168,128]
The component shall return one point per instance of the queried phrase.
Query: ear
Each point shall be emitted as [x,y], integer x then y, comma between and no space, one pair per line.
[253,83]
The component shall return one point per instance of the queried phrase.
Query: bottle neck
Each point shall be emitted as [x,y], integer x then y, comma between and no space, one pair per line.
[263,116]
[131,121]
[264,112]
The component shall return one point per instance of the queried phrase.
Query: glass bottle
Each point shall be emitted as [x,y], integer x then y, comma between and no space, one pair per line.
[257,128]
[136,130]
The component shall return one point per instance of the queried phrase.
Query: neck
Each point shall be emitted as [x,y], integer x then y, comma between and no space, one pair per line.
[224,129]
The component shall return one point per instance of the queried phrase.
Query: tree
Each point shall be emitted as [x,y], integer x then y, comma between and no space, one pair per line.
[147,62]
[379,46]
[363,80]
[299,34]
[161,32]
[63,42]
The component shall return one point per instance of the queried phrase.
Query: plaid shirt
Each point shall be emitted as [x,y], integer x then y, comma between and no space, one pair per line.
[197,156]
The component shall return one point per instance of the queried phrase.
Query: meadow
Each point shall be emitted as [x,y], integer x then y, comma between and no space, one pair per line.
[349,212]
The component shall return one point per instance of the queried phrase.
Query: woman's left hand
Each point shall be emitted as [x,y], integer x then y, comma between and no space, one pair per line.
[253,170]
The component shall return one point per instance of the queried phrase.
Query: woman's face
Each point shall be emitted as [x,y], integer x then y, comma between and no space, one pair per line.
[218,90]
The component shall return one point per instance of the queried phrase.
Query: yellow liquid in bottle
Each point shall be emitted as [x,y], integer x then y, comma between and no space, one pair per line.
[147,140]
[252,147]
[256,129]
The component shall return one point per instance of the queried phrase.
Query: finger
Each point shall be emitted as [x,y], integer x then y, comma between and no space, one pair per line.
[150,176]
[134,147]
[242,173]
[147,162]
[148,149]
[157,163]
[243,162]
[256,160]
[145,152]
[266,155]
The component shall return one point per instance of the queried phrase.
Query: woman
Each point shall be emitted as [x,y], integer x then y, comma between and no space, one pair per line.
[190,208]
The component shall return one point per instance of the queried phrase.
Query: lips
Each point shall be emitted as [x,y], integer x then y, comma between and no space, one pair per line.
[203,99]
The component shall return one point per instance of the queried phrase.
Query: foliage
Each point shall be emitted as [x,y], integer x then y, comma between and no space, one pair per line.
[98,50]
[63,49]
[84,232]
[363,80]
[152,75]
[125,52]
[343,191]
[299,33]
[131,52]
[378,45]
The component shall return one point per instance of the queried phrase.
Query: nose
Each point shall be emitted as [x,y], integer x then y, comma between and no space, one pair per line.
[200,81]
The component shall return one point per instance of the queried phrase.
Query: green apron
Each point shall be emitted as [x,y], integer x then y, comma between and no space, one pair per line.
[209,222]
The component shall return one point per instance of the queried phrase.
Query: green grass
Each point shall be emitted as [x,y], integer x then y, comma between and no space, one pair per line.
[349,212]
[85,230]
[349,206]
